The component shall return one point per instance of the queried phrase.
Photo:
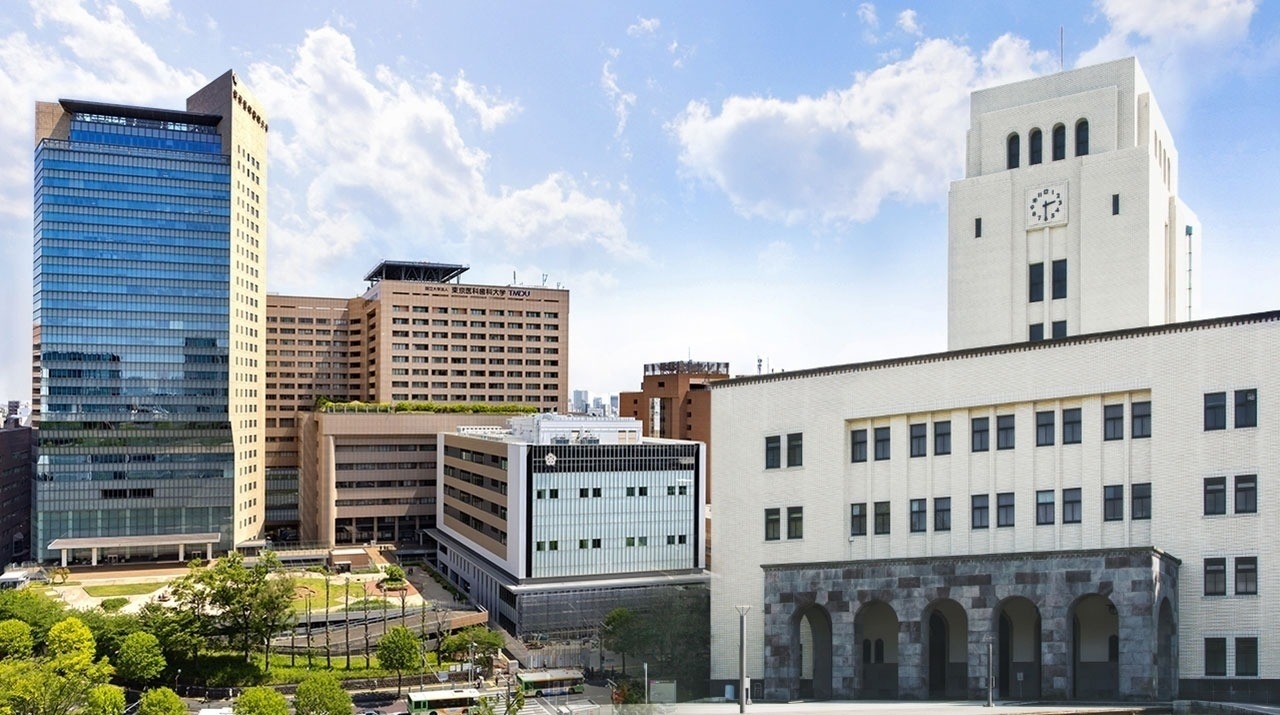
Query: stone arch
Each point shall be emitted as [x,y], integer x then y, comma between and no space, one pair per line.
[811,652]
[1166,652]
[944,626]
[1015,621]
[1095,648]
[876,629]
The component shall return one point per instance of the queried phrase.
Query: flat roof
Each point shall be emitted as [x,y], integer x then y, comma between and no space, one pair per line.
[88,542]
[416,271]
[80,106]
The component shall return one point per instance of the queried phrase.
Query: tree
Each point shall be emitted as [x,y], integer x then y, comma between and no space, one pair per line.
[398,650]
[69,639]
[161,701]
[321,694]
[180,631]
[140,659]
[61,681]
[486,644]
[105,700]
[34,608]
[109,629]
[248,603]
[261,701]
[15,639]
[623,633]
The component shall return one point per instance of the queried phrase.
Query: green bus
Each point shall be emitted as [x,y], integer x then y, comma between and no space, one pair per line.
[444,702]
[559,681]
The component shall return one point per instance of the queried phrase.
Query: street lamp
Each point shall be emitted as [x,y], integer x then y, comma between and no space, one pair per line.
[991,675]
[742,657]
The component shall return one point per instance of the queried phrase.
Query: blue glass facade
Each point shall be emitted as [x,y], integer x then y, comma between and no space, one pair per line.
[132,278]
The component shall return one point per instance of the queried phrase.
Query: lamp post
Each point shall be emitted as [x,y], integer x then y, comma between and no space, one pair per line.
[346,617]
[742,657]
[991,674]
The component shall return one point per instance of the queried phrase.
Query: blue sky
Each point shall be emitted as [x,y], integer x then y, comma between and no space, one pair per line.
[733,181]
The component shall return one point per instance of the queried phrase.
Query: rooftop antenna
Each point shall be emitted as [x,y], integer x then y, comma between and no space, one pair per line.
[1062,36]
[513,278]
[759,365]
[544,280]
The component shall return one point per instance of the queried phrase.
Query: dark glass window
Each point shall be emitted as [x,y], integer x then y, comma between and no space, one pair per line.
[1013,150]
[1044,428]
[1246,575]
[1115,204]
[1059,142]
[1059,279]
[858,438]
[1035,283]
[1004,509]
[1036,332]
[980,434]
[882,443]
[919,440]
[942,437]
[1082,137]
[795,449]
[1045,510]
[1113,502]
[1059,329]
[772,524]
[1215,411]
[1246,408]
[882,517]
[858,519]
[1071,430]
[795,522]
[977,227]
[942,514]
[1140,501]
[1071,511]
[1215,495]
[919,515]
[1215,577]
[1247,494]
[1004,432]
[1246,657]
[1112,422]
[772,452]
[1140,414]
[1035,145]
[1215,656]
[981,511]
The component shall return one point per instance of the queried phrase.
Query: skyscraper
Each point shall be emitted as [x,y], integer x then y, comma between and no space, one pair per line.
[148,325]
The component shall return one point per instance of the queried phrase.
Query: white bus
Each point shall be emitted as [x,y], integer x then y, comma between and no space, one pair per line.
[560,681]
[461,701]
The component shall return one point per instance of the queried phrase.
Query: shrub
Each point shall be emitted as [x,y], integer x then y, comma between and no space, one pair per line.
[113,604]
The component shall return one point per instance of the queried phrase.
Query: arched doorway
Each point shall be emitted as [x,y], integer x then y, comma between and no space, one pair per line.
[876,628]
[1166,652]
[811,656]
[1095,649]
[946,647]
[1017,626]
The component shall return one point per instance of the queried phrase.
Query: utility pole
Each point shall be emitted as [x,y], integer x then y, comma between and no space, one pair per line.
[742,658]
[328,652]
[346,616]
[308,629]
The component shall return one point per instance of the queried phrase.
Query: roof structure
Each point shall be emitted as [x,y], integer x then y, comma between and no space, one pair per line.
[78,106]
[416,271]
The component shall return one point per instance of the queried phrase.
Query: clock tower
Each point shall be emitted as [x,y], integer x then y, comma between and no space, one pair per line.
[1068,219]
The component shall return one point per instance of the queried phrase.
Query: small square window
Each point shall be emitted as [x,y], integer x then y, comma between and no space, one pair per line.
[1071,427]
[858,442]
[1246,408]
[1059,329]
[942,437]
[1215,411]
[1044,428]
[882,517]
[919,440]
[979,432]
[1112,422]
[1035,333]
[919,515]
[1140,413]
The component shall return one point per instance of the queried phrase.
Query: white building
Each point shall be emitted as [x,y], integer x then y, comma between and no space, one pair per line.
[1091,508]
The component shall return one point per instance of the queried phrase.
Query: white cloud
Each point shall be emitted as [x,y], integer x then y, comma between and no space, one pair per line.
[834,158]
[776,259]
[153,9]
[867,13]
[622,101]
[907,22]
[490,110]
[644,26]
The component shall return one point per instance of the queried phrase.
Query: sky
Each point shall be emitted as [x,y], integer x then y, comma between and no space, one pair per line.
[760,183]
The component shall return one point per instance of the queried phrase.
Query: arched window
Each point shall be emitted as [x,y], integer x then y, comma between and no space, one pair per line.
[879,650]
[866,650]
[1035,140]
[1013,150]
[1082,137]
[1059,142]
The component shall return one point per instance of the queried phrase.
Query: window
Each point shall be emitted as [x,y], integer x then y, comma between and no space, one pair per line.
[919,440]
[1004,432]
[1215,496]
[977,227]
[1036,332]
[772,524]
[858,440]
[1004,509]
[1115,204]
[1059,279]
[942,437]
[882,443]
[1140,414]
[772,452]
[1215,656]
[795,522]
[1059,142]
[942,514]
[1112,422]
[1044,429]
[882,517]
[1215,411]
[979,520]
[1215,577]
[858,519]
[1082,137]
[1044,507]
[1035,283]
[980,434]
[1035,145]
[1246,657]
[1140,501]
[1247,494]
[1113,502]
[1059,329]
[795,449]
[1071,431]
[919,515]
[1246,408]
[1246,575]
[1071,510]
[1013,148]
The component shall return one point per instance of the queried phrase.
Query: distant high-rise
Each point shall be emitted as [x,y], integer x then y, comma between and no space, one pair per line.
[150,229]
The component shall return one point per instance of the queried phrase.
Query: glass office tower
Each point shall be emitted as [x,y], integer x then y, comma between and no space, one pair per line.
[135,334]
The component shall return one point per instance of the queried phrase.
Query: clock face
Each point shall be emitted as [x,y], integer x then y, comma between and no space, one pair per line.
[1047,206]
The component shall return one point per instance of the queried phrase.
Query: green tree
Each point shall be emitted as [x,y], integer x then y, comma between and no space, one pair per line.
[105,700]
[70,639]
[678,637]
[140,659]
[398,650]
[249,603]
[486,644]
[15,639]
[261,701]
[59,682]
[161,701]
[321,694]
[34,608]
[109,630]
[395,576]
[179,630]
[624,634]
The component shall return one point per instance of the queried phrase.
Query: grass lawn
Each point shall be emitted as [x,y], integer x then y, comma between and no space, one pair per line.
[315,588]
[122,589]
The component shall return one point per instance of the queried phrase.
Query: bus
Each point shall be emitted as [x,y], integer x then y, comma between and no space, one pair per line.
[461,701]
[561,681]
